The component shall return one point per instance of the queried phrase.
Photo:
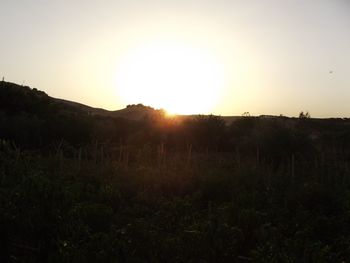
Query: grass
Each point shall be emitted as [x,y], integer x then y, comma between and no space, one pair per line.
[207,207]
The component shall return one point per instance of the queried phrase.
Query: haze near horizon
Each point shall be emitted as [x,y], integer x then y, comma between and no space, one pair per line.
[221,57]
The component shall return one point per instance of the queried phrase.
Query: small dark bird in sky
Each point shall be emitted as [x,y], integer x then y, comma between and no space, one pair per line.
[331,71]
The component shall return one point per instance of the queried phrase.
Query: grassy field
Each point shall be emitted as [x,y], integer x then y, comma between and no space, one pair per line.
[171,207]
[82,187]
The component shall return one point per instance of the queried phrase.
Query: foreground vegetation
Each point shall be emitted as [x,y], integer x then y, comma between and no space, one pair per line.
[76,187]
[213,208]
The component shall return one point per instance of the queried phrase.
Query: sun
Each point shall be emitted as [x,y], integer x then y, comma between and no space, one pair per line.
[179,78]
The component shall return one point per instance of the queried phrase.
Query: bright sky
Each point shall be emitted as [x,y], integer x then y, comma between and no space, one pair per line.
[268,57]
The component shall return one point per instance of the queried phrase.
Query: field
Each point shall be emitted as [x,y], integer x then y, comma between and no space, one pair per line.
[80,187]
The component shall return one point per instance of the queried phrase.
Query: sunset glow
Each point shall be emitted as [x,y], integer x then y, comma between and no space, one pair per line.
[174,76]
[221,57]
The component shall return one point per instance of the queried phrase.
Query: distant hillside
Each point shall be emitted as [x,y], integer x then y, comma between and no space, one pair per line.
[16,98]
[23,98]
[131,112]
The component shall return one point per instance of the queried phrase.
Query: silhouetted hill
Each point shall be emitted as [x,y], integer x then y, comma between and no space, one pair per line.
[136,112]
[18,98]
[131,112]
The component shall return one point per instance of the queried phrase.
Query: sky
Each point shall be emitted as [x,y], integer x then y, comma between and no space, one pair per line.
[276,57]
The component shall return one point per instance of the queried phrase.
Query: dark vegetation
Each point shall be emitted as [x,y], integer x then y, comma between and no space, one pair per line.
[78,184]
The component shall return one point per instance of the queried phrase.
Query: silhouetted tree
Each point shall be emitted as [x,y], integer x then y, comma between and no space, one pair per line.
[305,115]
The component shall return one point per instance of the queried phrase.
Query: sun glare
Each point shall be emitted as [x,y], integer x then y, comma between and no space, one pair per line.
[178,78]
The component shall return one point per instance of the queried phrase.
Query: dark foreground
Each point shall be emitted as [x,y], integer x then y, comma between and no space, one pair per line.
[79,184]
[180,208]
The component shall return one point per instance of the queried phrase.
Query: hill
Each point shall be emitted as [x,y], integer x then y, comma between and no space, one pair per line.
[131,112]
[15,98]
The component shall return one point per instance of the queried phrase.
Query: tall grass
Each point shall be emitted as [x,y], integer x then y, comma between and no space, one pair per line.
[103,203]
